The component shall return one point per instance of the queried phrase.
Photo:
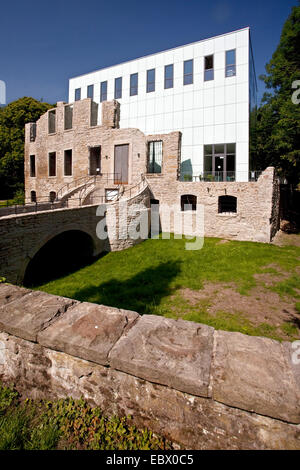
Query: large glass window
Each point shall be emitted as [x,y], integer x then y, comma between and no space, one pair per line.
[77,94]
[169,72]
[208,68]
[219,162]
[150,80]
[133,84]
[90,91]
[230,63]
[103,91]
[188,66]
[155,156]
[118,88]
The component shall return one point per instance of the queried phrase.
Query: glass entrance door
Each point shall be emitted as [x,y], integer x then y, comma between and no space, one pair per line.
[219,167]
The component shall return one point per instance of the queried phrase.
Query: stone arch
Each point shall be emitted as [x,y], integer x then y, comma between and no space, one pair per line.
[72,246]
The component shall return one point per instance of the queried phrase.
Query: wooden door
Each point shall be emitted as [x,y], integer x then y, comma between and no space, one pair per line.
[121,164]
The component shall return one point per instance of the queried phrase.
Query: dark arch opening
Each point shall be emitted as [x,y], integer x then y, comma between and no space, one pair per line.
[63,254]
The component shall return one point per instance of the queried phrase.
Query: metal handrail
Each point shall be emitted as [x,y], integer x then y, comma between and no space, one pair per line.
[219,176]
[83,181]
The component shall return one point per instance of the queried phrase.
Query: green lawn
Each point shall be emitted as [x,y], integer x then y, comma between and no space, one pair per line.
[148,279]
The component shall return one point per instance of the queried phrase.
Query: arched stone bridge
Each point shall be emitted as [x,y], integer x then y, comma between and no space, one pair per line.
[24,236]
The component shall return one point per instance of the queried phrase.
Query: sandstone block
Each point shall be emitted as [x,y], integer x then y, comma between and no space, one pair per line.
[176,353]
[252,373]
[9,293]
[31,313]
[88,331]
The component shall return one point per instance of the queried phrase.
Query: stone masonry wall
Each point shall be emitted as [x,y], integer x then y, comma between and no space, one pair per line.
[256,218]
[80,138]
[199,387]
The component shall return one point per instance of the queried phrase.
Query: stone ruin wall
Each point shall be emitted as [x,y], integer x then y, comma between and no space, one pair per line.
[199,387]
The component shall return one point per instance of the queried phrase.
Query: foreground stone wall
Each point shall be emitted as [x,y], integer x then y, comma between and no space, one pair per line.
[201,388]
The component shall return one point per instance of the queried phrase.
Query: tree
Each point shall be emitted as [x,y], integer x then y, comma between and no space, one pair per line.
[277,134]
[13,118]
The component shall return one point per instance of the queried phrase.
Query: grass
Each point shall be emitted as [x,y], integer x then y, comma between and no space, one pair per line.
[147,278]
[66,424]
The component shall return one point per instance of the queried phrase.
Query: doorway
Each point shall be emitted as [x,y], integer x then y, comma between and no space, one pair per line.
[121,164]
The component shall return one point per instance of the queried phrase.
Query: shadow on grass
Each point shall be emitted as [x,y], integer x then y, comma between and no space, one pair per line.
[142,292]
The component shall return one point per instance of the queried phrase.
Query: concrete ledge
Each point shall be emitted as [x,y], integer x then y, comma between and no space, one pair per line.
[198,386]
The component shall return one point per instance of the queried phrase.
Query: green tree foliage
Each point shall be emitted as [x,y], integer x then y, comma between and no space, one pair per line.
[13,118]
[277,135]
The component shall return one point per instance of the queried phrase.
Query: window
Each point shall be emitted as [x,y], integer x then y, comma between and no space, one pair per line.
[133,84]
[227,204]
[33,196]
[188,66]
[52,121]
[169,69]
[32,166]
[150,80]
[77,94]
[208,68]
[52,196]
[32,131]
[103,91]
[155,156]
[90,91]
[118,88]
[68,163]
[219,162]
[95,162]
[188,202]
[230,63]
[52,164]
[68,117]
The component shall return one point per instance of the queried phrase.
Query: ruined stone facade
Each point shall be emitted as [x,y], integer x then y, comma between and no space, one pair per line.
[255,216]
[199,387]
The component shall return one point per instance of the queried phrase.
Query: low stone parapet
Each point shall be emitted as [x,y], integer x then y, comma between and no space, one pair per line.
[199,387]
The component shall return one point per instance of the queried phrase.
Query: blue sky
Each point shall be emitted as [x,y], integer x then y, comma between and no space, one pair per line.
[44,43]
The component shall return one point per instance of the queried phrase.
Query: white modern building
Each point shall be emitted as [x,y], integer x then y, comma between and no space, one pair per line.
[205,90]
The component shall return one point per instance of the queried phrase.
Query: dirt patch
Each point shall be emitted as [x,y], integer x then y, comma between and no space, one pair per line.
[260,306]
[284,239]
